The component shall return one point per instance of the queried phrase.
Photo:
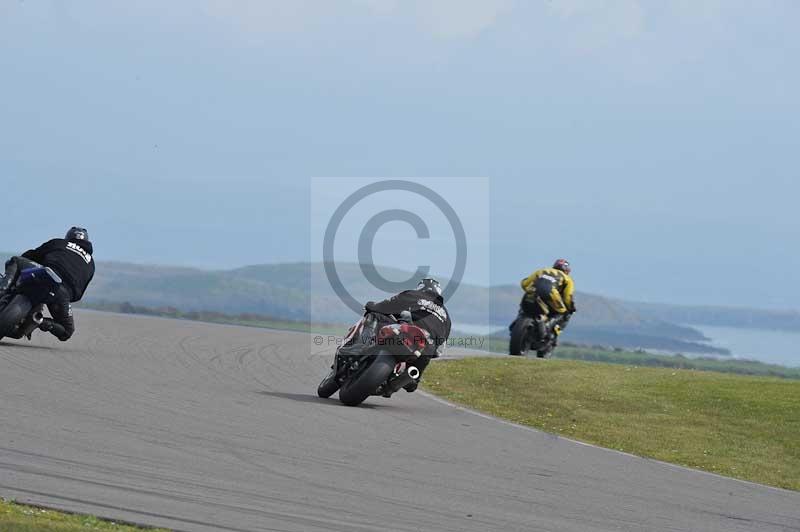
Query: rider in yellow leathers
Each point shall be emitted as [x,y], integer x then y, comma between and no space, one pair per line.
[549,297]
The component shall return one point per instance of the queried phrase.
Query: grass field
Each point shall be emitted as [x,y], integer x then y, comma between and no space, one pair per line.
[644,358]
[739,426]
[20,518]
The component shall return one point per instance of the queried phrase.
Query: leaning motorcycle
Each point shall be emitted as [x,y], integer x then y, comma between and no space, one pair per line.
[22,305]
[525,336]
[382,367]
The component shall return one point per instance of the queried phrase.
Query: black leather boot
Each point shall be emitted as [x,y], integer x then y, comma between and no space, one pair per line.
[412,386]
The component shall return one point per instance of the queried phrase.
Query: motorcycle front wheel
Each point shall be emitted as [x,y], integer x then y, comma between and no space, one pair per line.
[546,352]
[328,386]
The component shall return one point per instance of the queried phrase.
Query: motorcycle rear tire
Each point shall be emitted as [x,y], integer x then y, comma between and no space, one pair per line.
[518,345]
[13,313]
[354,392]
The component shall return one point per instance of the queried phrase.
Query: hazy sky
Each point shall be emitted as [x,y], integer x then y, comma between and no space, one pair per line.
[655,144]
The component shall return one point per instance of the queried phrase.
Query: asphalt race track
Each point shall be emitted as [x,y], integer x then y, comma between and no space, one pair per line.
[205,427]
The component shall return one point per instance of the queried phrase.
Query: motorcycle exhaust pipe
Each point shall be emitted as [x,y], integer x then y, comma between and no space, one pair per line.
[31,324]
[411,374]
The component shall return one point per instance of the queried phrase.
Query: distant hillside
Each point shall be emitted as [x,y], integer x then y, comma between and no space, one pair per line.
[195,290]
[301,292]
[745,318]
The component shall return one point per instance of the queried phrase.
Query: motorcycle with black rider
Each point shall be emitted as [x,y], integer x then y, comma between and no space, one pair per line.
[54,275]
[390,346]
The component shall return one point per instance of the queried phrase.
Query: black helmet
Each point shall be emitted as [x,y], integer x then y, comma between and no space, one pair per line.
[429,284]
[77,233]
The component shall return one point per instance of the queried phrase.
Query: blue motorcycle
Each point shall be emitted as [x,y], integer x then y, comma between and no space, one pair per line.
[22,305]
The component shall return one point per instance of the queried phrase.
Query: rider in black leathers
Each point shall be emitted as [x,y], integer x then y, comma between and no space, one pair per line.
[427,309]
[71,258]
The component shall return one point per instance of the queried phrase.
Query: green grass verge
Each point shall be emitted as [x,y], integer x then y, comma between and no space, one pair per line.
[644,358]
[739,426]
[20,518]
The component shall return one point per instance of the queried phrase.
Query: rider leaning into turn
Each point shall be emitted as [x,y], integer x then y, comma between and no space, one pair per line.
[549,296]
[71,258]
[426,305]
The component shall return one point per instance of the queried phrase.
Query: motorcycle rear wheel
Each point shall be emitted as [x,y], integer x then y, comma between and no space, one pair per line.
[355,391]
[13,313]
[519,344]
